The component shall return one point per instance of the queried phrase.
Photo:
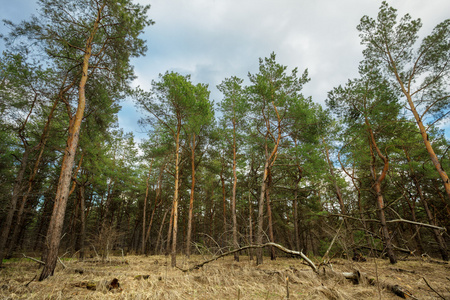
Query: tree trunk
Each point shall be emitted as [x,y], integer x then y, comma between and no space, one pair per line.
[269,219]
[260,231]
[422,129]
[338,193]
[13,204]
[439,239]
[62,192]
[233,195]
[415,229]
[158,241]
[270,160]
[384,230]
[379,197]
[144,241]
[295,220]
[191,199]
[83,221]
[224,201]
[156,204]
[175,198]
[169,232]
[41,144]
[250,225]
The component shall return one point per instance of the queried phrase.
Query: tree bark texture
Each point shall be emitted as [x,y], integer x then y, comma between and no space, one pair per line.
[62,193]
[191,199]
[173,253]
[423,132]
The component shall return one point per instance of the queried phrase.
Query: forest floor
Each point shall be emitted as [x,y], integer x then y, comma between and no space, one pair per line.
[151,277]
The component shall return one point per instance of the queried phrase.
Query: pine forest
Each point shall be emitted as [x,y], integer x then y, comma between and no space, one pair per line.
[264,168]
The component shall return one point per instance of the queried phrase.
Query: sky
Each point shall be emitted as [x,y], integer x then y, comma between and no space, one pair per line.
[215,39]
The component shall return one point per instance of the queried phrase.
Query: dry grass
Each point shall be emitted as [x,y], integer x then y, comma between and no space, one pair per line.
[222,279]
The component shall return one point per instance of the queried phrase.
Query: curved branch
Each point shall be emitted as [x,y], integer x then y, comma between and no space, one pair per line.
[288,251]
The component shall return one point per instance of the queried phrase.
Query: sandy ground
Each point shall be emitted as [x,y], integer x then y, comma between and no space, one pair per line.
[152,277]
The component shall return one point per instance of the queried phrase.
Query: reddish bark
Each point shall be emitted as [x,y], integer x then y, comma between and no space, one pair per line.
[63,188]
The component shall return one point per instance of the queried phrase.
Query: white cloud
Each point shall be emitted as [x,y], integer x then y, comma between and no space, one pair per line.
[215,39]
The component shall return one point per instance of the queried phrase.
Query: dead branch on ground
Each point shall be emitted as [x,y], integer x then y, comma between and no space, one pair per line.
[442,297]
[288,251]
[34,259]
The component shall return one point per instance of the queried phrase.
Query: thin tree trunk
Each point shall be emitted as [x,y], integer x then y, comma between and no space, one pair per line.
[338,193]
[269,219]
[145,209]
[81,236]
[42,143]
[158,241]
[259,232]
[298,178]
[191,199]
[384,230]
[295,219]
[224,200]
[156,204]
[415,228]
[169,231]
[250,225]
[270,160]
[439,239]
[379,196]
[175,198]
[13,204]
[233,194]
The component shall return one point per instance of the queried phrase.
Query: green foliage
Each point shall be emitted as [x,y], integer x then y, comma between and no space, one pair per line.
[419,70]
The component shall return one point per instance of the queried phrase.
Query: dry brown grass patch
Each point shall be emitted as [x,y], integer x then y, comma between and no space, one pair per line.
[153,278]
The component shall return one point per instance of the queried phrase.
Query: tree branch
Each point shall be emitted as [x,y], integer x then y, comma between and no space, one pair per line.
[298,253]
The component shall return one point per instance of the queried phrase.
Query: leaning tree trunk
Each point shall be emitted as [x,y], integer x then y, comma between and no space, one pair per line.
[422,129]
[62,192]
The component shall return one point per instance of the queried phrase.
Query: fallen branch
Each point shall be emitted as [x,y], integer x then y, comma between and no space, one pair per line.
[43,263]
[433,289]
[64,266]
[31,280]
[34,259]
[288,251]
